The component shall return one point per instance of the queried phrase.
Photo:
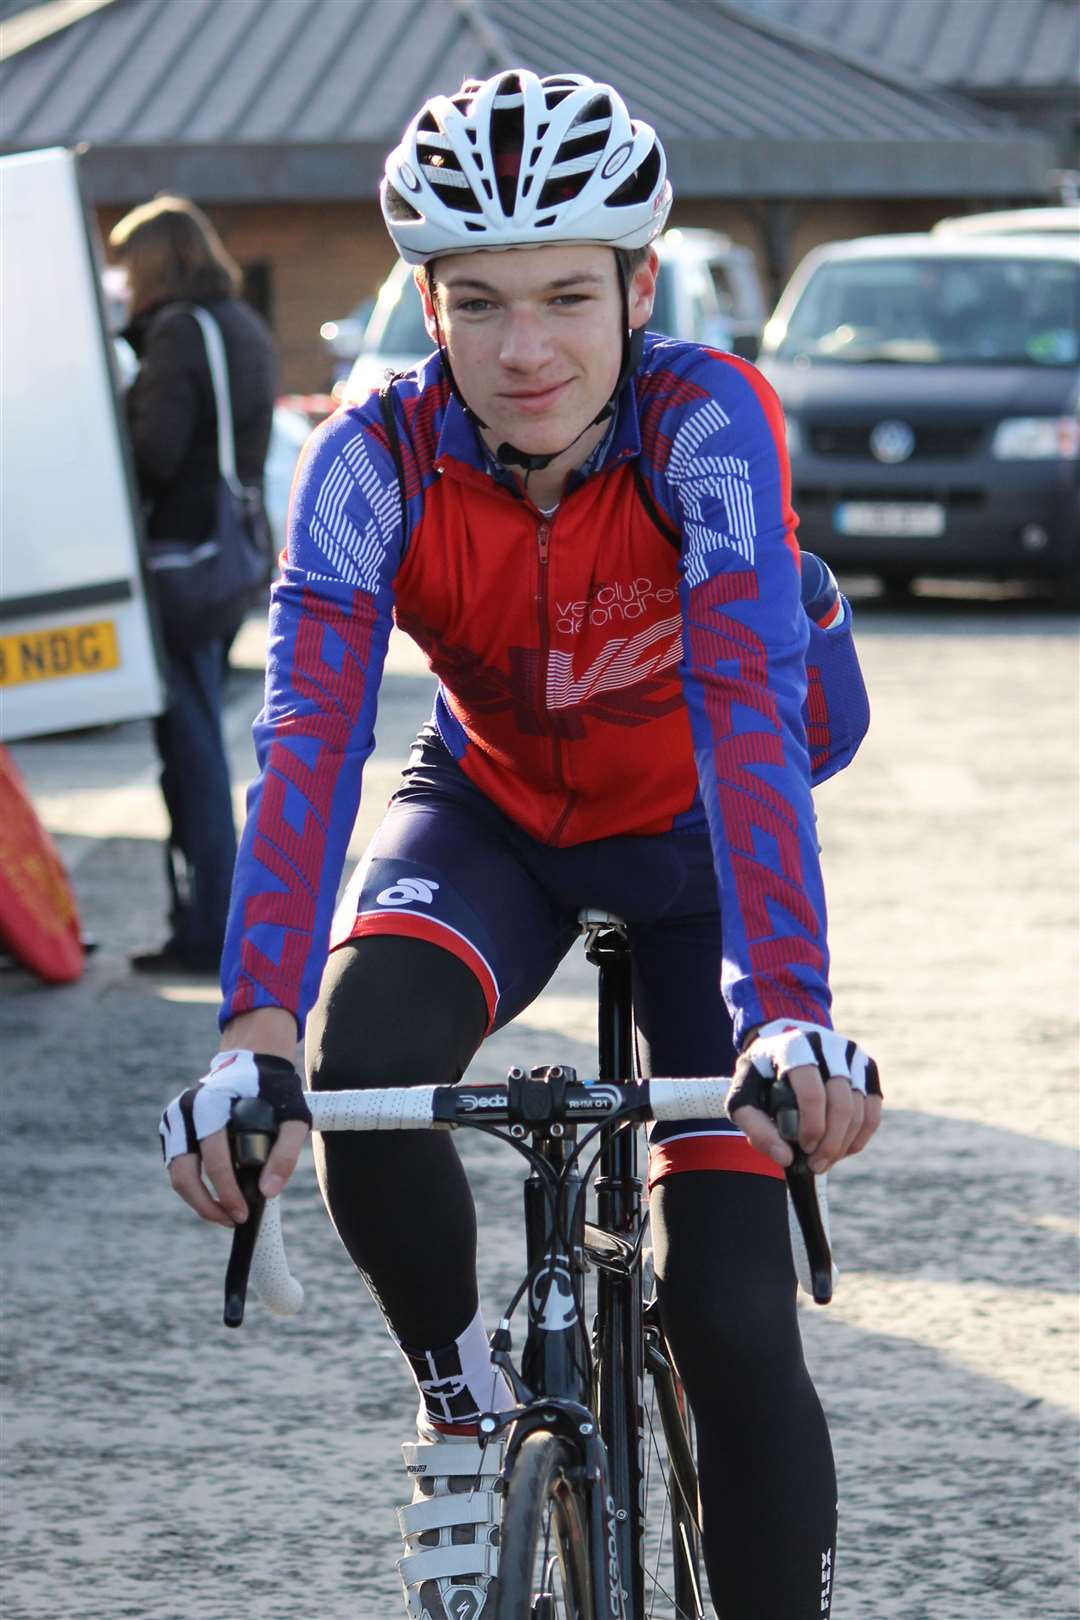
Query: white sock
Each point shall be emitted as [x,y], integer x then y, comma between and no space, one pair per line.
[458,1382]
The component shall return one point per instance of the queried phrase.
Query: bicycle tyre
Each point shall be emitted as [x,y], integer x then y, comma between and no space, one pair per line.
[545,1528]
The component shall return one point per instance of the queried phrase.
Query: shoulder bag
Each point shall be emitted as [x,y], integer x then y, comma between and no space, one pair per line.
[204,587]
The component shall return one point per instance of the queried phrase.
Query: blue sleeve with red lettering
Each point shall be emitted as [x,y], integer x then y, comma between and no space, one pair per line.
[330,620]
[714,450]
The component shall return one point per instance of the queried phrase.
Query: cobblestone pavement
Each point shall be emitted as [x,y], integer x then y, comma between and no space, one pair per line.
[158,1467]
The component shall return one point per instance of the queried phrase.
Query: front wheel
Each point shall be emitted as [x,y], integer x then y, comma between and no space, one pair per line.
[544,1543]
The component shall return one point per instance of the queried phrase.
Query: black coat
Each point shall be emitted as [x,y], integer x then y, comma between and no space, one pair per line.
[173,418]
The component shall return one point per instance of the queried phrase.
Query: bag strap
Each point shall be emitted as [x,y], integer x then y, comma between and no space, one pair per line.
[219,377]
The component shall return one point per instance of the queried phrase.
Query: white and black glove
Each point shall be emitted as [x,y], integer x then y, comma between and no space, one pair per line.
[789,1043]
[205,1107]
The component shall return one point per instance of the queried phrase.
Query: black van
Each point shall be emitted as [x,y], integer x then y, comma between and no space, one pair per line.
[931,386]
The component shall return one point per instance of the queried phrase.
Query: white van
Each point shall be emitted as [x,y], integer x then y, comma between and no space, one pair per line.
[1063,221]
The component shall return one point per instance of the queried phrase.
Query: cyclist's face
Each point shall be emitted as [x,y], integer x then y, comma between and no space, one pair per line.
[535,336]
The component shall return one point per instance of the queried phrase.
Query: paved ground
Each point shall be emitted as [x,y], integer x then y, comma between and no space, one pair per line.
[158,1467]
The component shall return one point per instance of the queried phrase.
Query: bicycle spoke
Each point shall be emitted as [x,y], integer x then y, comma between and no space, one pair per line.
[658,1555]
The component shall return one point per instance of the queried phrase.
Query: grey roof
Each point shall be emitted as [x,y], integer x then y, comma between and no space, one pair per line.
[235,99]
[971,45]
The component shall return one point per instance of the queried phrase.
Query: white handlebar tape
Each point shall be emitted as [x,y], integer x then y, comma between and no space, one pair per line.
[406,1108]
[689,1099]
[274,1282]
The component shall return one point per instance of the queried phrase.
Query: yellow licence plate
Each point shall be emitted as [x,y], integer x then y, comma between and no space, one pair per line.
[47,655]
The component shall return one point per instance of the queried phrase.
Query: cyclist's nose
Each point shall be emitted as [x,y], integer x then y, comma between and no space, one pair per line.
[525,343]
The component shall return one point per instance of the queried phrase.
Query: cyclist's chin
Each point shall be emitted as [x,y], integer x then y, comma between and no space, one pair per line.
[539,433]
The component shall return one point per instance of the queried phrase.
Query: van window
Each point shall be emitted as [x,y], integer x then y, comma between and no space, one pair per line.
[663,318]
[403,332]
[946,311]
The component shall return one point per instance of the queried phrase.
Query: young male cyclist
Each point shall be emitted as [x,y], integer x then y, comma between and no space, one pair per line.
[589,533]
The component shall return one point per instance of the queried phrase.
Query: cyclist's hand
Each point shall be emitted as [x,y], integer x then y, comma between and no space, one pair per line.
[195,1142]
[835,1082]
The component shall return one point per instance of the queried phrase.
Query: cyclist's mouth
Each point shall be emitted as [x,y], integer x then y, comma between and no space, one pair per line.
[534,400]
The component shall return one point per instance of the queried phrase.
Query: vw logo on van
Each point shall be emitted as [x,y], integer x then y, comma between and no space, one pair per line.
[892,441]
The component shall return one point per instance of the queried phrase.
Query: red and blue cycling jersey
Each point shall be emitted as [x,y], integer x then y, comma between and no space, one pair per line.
[636,662]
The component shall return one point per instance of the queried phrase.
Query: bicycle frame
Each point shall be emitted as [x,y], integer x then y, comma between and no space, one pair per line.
[618,1331]
[555,1385]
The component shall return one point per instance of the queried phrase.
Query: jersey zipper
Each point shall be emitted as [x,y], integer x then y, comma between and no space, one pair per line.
[558,774]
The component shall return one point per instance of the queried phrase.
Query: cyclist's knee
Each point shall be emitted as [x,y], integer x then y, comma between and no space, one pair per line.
[724,1277]
[393,1011]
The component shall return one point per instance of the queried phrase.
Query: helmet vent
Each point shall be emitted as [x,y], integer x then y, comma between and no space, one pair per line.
[639,186]
[556,90]
[443,172]
[507,132]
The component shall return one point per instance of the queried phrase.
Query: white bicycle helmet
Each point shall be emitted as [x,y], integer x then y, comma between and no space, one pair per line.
[518,161]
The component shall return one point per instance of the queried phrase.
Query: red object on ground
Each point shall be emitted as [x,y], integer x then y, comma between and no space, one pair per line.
[39,923]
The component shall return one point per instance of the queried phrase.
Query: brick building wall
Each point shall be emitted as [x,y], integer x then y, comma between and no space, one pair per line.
[318,260]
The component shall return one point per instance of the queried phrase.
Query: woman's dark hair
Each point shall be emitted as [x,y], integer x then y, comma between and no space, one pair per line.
[170,250]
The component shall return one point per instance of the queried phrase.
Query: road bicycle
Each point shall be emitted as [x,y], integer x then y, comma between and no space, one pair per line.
[600,1515]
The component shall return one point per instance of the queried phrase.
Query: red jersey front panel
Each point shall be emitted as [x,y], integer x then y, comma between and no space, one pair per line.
[558,642]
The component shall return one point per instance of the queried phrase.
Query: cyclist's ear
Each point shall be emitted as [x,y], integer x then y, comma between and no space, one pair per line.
[424,287]
[641,292]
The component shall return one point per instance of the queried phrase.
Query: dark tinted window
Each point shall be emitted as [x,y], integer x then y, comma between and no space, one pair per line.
[937,311]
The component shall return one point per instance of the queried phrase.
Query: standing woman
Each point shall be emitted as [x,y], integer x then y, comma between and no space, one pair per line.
[174,258]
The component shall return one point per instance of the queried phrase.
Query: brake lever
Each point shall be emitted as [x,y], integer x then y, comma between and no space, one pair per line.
[783,1106]
[252,1132]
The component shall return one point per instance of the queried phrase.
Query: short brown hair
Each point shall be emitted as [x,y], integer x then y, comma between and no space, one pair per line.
[171,250]
[629,259]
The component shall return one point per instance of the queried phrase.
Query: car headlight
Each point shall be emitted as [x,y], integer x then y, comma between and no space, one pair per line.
[1037,438]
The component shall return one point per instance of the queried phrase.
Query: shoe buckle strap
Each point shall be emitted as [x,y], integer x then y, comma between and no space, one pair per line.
[442,1512]
[425,1459]
[448,1563]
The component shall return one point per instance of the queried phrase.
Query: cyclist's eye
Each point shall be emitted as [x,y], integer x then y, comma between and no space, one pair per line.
[472,306]
[568,300]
